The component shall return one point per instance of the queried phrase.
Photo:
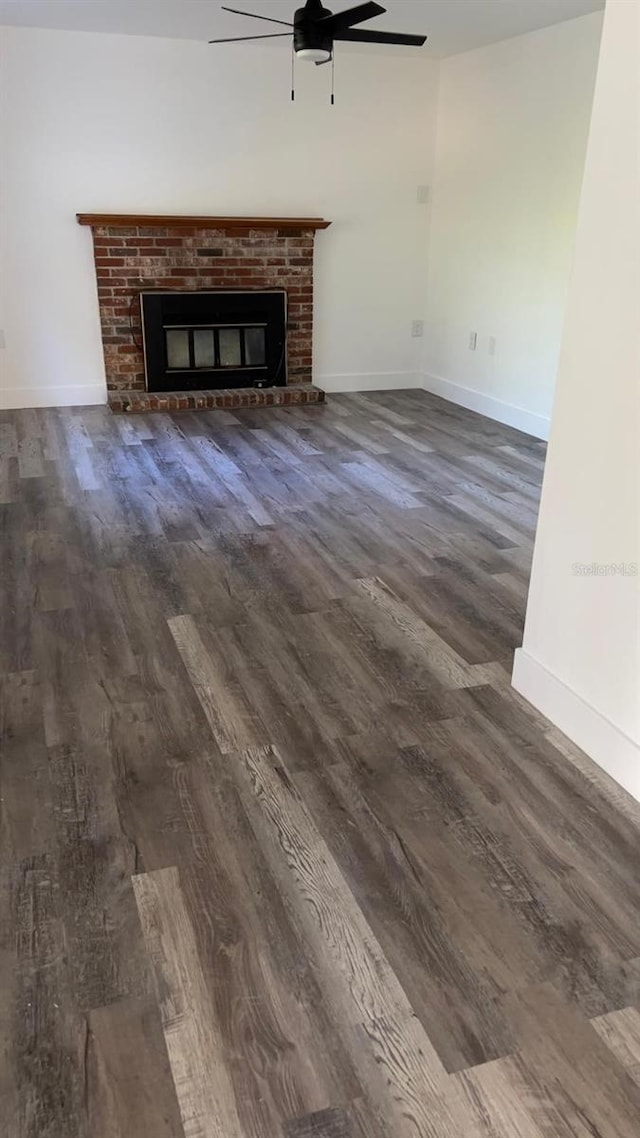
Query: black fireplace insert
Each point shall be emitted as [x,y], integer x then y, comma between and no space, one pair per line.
[214,339]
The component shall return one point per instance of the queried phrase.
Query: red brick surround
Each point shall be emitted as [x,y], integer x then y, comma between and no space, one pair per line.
[212,254]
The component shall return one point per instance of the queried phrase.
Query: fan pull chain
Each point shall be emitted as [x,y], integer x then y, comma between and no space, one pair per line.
[333,76]
[293,68]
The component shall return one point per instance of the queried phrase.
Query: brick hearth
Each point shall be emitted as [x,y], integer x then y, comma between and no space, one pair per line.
[133,253]
[204,400]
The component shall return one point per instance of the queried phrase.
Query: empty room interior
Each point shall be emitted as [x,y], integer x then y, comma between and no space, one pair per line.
[320,617]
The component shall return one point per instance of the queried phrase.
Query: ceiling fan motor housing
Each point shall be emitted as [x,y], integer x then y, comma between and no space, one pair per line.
[307,31]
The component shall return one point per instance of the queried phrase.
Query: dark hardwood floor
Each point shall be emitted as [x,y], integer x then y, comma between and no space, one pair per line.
[282,854]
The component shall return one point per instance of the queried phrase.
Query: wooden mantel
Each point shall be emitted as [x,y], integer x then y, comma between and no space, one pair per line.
[179,221]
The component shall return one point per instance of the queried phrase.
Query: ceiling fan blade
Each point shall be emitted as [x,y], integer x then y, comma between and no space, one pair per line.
[340,21]
[254,16]
[237,39]
[354,35]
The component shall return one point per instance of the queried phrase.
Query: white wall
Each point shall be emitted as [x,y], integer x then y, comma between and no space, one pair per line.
[108,123]
[580,663]
[511,137]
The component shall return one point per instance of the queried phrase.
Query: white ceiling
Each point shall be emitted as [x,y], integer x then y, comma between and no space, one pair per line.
[452,25]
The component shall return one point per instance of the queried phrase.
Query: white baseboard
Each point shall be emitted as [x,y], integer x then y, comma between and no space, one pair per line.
[509,413]
[369,381]
[14,398]
[609,747]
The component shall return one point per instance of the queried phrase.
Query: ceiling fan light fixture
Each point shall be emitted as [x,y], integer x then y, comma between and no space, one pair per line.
[315,29]
[314,54]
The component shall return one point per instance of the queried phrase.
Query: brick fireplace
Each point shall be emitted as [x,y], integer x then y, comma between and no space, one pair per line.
[136,255]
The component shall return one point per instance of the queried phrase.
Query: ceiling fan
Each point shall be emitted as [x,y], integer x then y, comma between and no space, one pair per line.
[315,29]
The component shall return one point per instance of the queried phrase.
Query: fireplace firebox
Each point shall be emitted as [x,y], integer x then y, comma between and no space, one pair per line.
[213,339]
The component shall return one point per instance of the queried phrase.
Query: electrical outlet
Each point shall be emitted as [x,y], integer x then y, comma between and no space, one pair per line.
[492,345]
[423,195]
[417,328]
[473,340]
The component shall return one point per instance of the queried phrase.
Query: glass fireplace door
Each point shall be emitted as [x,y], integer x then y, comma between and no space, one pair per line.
[199,340]
[215,347]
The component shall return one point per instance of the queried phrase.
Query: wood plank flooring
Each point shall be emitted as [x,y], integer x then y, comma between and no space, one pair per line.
[282,854]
